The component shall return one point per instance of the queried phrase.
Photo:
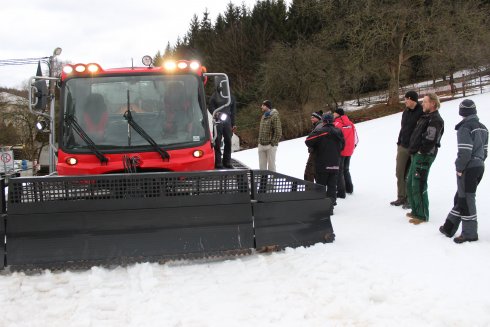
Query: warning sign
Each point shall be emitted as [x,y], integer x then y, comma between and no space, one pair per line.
[7,165]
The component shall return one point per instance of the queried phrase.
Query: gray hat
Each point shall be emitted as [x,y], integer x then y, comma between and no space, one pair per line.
[467,107]
[317,114]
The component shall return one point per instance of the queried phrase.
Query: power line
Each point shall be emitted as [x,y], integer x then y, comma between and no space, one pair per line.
[24,61]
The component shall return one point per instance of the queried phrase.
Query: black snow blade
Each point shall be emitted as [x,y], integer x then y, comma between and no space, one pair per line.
[58,221]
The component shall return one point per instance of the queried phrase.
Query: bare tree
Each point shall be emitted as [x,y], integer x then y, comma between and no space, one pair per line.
[16,114]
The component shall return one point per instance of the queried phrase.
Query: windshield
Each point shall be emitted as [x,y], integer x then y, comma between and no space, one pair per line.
[166,107]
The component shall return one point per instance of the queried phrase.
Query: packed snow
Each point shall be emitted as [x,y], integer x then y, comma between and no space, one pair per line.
[380,271]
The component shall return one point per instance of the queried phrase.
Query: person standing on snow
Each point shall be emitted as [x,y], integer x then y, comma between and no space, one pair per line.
[224,126]
[342,122]
[327,141]
[270,133]
[424,144]
[410,116]
[316,119]
[470,165]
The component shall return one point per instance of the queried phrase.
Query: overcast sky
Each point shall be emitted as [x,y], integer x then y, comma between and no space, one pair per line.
[109,32]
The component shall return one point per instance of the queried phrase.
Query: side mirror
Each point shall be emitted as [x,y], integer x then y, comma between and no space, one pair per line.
[39,97]
[223,89]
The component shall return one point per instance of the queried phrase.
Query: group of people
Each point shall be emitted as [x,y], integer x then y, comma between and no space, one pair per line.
[333,139]
[331,144]
[418,142]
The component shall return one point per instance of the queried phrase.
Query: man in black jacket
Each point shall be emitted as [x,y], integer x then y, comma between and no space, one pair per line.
[316,120]
[224,126]
[424,144]
[327,141]
[410,116]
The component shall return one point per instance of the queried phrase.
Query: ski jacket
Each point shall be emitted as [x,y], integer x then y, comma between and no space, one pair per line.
[426,136]
[408,123]
[327,143]
[472,143]
[270,130]
[350,135]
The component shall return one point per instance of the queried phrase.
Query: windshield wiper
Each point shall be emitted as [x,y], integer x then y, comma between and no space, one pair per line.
[129,117]
[71,122]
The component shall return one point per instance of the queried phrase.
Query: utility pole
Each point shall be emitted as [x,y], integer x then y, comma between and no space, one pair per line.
[52,93]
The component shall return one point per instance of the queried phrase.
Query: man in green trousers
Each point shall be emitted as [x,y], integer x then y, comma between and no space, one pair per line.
[424,144]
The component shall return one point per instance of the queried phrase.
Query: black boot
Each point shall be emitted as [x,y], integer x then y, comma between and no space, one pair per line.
[447,228]
[227,164]
[398,202]
[461,239]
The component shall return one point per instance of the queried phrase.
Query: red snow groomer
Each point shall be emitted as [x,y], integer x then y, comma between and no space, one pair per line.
[132,177]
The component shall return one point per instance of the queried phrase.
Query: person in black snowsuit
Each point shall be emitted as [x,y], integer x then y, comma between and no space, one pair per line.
[224,126]
[327,141]
[309,175]
[470,165]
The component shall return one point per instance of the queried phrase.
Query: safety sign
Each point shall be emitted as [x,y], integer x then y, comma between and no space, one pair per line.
[7,164]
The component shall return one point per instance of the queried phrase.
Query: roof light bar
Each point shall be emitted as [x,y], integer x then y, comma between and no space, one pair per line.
[172,65]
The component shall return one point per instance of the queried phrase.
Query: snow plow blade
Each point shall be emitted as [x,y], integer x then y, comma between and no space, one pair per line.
[58,222]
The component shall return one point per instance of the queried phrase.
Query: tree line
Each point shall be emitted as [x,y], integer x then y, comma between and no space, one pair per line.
[316,54]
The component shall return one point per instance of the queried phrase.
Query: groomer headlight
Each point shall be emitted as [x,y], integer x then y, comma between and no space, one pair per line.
[223,116]
[93,68]
[195,65]
[80,68]
[68,69]
[197,153]
[71,161]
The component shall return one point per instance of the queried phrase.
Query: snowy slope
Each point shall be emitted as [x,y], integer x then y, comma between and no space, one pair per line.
[381,270]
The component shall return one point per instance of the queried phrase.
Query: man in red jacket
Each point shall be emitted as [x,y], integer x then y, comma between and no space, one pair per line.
[344,182]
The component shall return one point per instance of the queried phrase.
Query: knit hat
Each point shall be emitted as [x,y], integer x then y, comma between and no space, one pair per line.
[467,107]
[317,114]
[328,118]
[412,95]
[339,111]
[267,103]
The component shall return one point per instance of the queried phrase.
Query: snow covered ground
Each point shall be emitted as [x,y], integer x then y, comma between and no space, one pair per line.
[381,270]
